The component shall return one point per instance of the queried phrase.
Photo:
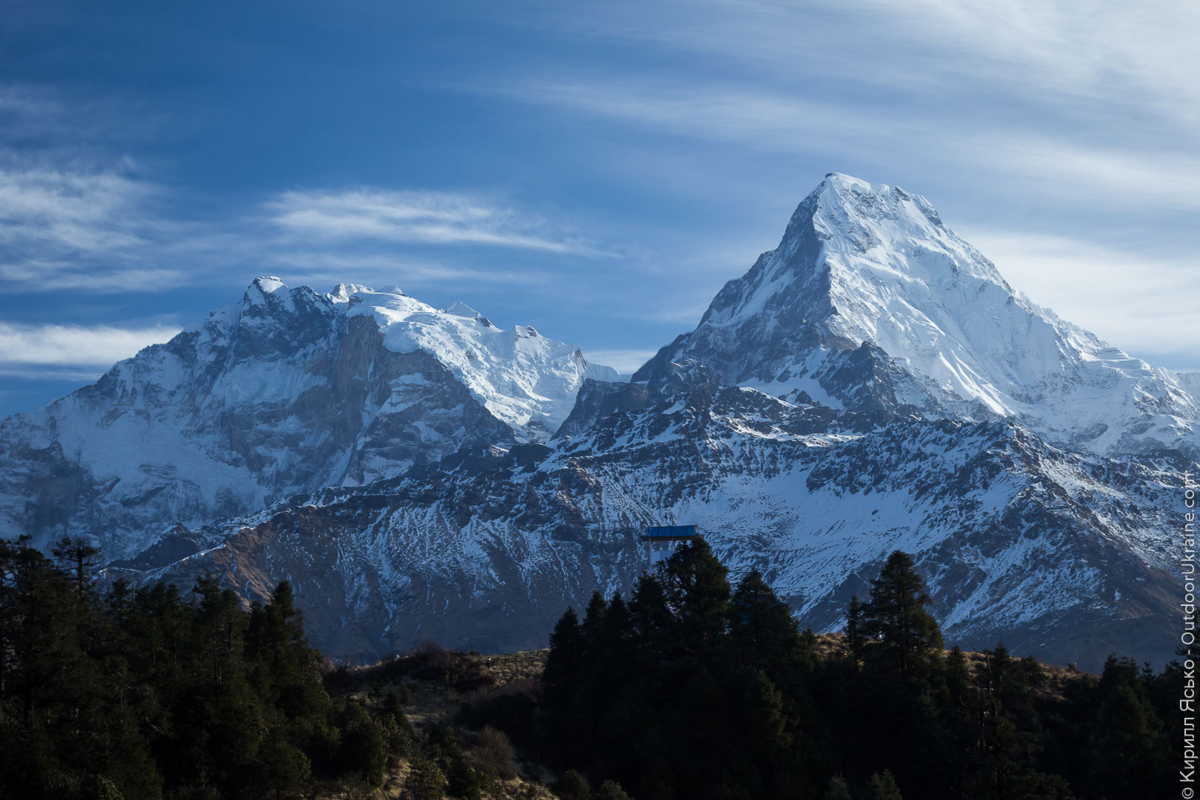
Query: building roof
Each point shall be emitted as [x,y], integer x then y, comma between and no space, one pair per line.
[671,532]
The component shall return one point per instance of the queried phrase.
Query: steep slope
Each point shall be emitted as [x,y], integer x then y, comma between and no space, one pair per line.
[1021,541]
[287,391]
[871,384]
[871,300]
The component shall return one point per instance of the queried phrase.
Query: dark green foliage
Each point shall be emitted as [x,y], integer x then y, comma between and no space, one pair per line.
[574,786]
[495,751]
[882,786]
[147,693]
[1128,746]
[761,627]
[610,790]
[898,616]
[461,779]
[837,789]
[695,689]
[425,781]
[512,709]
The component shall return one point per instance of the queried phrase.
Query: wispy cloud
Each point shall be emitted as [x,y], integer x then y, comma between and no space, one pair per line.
[1070,51]
[71,351]
[775,121]
[86,217]
[438,218]
[62,225]
[328,267]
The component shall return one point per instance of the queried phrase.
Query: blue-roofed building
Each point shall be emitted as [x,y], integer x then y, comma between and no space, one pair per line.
[661,540]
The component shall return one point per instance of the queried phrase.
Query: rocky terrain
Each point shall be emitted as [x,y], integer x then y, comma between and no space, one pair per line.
[871,384]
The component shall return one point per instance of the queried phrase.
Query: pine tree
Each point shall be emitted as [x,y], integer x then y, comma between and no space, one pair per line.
[762,627]
[79,558]
[650,616]
[593,618]
[837,789]
[574,786]
[854,630]
[425,780]
[563,662]
[696,587]
[898,615]
[882,786]
[1127,748]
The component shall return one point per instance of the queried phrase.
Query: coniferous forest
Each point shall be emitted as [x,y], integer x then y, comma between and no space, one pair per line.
[691,688]
[694,688]
[152,693]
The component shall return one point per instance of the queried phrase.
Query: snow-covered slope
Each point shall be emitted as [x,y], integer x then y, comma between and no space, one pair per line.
[1060,554]
[287,391]
[871,384]
[870,264]
[519,375]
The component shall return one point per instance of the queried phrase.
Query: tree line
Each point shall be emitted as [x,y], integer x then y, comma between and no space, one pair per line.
[153,693]
[694,688]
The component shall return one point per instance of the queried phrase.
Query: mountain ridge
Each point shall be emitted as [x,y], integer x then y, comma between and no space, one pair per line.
[871,384]
[864,263]
[286,391]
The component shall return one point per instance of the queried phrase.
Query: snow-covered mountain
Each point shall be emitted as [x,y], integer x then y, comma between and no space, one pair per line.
[872,267]
[870,384]
[287,391]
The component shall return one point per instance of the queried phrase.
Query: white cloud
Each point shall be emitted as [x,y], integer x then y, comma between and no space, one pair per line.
[70,349]
[326,268]
[438,218]
[775,121]
[86,219]
[58,222]
[1054,52]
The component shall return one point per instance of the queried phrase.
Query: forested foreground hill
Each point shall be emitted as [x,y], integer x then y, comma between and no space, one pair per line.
[691,688]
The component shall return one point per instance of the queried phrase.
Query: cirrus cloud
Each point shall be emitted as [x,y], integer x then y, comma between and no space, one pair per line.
[416,217]
[72,351]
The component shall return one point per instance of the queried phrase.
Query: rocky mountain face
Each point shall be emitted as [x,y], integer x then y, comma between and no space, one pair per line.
[871,384]
[287,391]
[867,279]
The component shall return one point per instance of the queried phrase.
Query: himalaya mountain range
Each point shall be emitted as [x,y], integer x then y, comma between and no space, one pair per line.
[871,384]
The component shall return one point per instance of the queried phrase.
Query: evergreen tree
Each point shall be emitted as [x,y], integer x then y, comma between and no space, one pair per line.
[882,786]
[696,588]
[854,629]
[837,789]
[565,658]
[593,618]
[762,628]
[1128,747]
[574,786]
[898,615]
[425,780]
[79,558]
[141,694]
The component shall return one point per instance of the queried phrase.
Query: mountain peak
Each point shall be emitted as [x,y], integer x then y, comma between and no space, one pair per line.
[842,179]
[867,264]
[461,309]
[266,291]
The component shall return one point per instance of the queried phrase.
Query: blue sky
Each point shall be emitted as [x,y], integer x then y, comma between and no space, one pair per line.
[595,170]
